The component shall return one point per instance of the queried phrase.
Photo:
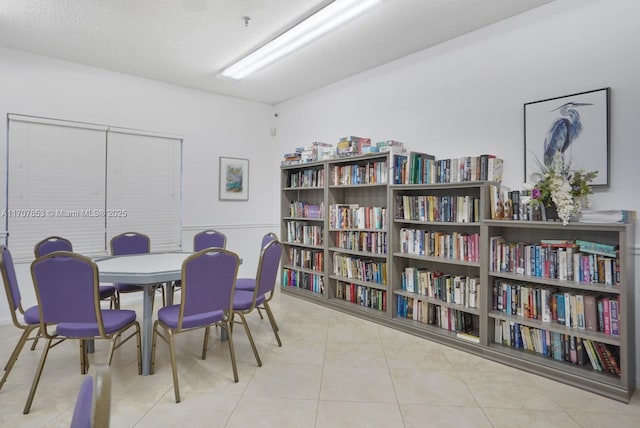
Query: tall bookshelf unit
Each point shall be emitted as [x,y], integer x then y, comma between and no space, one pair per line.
[366,264]
[437,258]
[303,229]
[358,234]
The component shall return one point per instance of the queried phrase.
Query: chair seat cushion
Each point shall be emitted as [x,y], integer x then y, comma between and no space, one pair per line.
[113,320]
[107,291]
[127,288]
[246,284]
[169,316]
[32,315]
[242,300]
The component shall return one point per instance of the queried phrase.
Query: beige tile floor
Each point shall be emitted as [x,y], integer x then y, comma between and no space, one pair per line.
[334,370]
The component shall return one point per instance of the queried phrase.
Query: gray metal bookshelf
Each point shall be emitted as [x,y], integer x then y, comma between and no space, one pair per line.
[483,316]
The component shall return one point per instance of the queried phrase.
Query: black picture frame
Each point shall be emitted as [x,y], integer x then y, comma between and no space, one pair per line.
[552,121]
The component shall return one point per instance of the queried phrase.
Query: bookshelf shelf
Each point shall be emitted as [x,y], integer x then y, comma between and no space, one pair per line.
[359,282]
[559,328]
[437,260]
[596,288]
[475,326]
[438,223]
[302,269]
[358,253]
[438,302]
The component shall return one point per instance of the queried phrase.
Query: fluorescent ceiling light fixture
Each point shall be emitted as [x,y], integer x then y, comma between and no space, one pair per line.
[326,19]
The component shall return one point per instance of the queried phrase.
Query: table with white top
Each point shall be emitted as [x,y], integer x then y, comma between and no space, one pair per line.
[145,270]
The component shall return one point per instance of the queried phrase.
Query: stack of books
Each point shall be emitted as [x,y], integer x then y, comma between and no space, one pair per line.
[607,216]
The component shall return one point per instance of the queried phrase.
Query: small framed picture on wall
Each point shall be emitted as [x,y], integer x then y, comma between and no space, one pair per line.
[234,179]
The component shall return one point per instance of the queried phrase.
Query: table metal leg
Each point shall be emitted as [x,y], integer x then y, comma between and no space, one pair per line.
[169,290]
[147,328]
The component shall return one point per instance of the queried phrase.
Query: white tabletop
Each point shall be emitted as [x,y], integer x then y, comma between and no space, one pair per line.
[142,268]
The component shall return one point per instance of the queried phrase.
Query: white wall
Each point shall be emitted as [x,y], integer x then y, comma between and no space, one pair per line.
[211,125]
[466,96]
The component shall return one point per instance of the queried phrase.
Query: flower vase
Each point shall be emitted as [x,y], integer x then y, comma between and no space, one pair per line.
[551,212]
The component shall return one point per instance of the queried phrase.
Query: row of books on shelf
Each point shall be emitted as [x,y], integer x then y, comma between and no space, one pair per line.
[458,289]
[460,209]
[306,209]
[583,311]
[434,314]
[360,269]
[306,178]
[303,280]
[362,295]
[579,261]
[369,242]
[308,259]
[600,356]
[422,168]
[353,216]
[299,232]
[456,245]
[354,174]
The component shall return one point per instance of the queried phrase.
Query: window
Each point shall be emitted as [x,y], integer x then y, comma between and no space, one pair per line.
[88,183]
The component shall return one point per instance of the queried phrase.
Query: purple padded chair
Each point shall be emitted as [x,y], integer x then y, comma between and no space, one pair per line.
[209,238]
[56,243]
[249,284]
[131,243]
[206,239]
[246,301]
[66,285]
[93,405]
[28,321]
[208,281]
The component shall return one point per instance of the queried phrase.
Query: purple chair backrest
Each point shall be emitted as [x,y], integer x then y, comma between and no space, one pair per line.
[268,238]
[208,239]
[208,281]
[10,279]
[130,243]
[84,405]
[268,267]
[66,286]
[52,244]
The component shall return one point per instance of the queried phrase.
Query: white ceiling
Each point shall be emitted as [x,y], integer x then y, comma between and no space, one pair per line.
[187,42]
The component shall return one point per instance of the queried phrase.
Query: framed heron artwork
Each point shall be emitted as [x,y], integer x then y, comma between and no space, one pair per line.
[575,125]
[234,179]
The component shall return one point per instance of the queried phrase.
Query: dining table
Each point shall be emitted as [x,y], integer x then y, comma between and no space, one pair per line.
[146,270]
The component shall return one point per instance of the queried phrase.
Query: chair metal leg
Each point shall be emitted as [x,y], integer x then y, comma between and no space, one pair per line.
[260,313]
[35,340]
[205,342]
[36,378]
[232,351]
[174,366]
[112,348]
[272,320]
[16,353]
[154,340]
[253,345]
[84,358]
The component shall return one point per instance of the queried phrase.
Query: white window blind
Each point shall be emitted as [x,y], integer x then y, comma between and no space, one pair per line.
[55,178]
[143,183]
[88,183]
